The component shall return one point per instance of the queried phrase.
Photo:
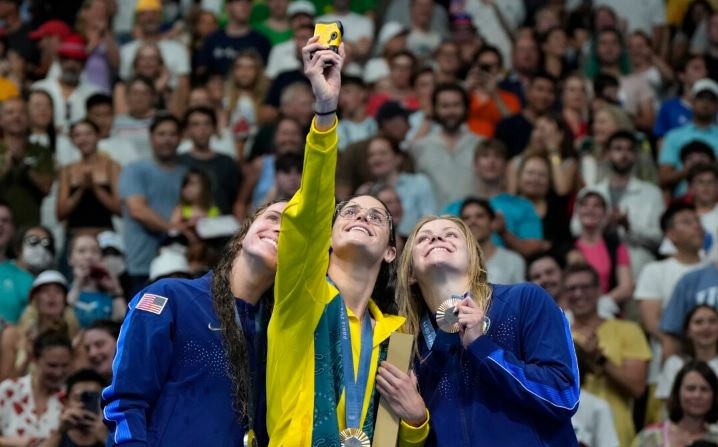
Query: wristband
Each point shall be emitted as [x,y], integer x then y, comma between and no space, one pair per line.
[331,112]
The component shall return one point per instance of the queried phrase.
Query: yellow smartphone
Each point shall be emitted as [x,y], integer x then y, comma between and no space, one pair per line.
[330,34]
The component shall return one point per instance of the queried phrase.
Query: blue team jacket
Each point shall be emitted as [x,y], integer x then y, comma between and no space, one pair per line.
[170,385]
[517,385]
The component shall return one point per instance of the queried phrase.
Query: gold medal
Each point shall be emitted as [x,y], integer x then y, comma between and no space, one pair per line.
[353,437]
[250,439]
[446,317]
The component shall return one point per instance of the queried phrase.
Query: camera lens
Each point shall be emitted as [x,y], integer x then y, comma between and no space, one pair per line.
[333,36]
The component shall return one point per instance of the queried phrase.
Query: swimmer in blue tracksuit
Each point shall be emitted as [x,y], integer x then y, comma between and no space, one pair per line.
[175,382]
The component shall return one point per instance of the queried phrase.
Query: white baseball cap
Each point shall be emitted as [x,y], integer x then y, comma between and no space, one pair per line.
[389,31]
[110,239]
[705,85]
[301,7]
[169,262]
[48,277]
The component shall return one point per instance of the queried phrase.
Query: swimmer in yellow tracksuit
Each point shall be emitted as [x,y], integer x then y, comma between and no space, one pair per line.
[325,321]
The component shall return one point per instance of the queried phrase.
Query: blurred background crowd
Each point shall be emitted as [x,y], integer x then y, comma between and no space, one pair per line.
[577,138]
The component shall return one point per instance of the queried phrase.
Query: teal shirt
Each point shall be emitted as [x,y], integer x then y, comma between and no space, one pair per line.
[15,284]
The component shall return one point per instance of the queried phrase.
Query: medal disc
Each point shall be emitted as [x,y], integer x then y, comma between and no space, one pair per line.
[446,317]
[250,439]
[353,437]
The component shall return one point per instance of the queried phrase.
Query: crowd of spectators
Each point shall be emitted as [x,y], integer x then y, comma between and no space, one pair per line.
[569,135]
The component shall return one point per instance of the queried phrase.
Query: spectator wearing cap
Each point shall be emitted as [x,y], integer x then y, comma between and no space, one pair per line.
[150,189]
[113,257]
[286,56]
[702,128]
[489,103]
[148,21]
[15,282]
[634,206]
[47,310]
[603,251]
[355,125]
[26,169]
[352,166]
[276,28]
[49,36]
[358,29]
[392,39]
[169,263]
[69,91]
[677,111]
[399,11]
[222,47]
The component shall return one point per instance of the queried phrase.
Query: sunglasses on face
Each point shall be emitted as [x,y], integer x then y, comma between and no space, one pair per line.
[34,241]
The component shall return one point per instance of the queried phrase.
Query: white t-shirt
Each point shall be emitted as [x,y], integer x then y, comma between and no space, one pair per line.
[669,372]
[593,422]
[506,267]
[350,132]
[70,110]
[282,57]
[423,43]
[656,282]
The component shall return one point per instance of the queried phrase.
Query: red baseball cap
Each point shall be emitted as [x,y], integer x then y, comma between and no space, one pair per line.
[73,47]
[51,28]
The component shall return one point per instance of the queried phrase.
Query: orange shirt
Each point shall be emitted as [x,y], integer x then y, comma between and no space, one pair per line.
[484,114]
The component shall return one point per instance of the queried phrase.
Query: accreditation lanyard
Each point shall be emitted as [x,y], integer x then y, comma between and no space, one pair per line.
[355,389]
[428,331]
[253,372]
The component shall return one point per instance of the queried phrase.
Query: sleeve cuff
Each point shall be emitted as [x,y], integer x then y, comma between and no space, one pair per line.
[323,141]
[411,436]
[483,347]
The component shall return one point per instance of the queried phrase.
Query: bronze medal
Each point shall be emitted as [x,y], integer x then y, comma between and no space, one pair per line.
[446,316]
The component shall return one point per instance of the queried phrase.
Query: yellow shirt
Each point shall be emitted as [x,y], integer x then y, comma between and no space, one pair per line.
[620,340]
[302,296]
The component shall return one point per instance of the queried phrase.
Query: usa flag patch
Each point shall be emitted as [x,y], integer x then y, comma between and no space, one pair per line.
[152,303]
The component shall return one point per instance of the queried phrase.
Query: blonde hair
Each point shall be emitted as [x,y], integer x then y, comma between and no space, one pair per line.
[408,295]
[29,328]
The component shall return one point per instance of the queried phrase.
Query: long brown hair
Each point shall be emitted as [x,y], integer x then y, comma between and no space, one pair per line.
[408,295]
[224,303]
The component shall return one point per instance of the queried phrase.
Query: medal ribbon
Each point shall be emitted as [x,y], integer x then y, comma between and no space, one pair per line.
[355,389]
[254,372]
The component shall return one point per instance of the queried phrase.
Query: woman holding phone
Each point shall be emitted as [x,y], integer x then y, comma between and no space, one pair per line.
[330,322]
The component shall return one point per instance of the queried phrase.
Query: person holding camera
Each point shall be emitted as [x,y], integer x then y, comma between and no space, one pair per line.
[489,103]
[80,421]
